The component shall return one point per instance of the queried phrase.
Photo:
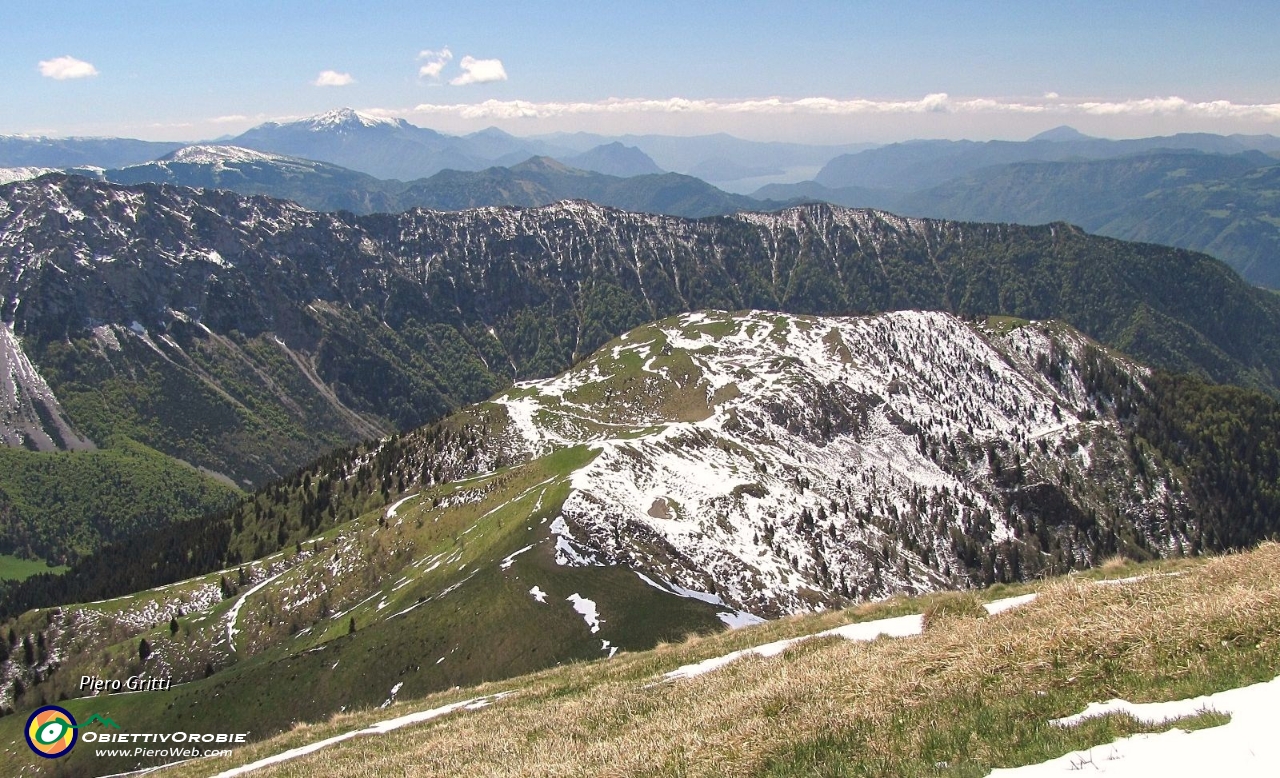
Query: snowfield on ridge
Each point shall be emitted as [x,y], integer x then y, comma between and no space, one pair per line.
[783,463]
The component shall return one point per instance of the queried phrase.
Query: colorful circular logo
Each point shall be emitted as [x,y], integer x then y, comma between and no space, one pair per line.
[51,732]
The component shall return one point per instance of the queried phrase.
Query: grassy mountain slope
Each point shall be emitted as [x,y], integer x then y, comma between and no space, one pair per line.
[841,460]
[432,595]
[967,696]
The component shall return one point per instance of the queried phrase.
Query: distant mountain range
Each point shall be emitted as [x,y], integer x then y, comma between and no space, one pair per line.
[395,149]
[1209,193]
[36,151]
[536,181]
[385,148]
[614,159]
[318,185]
[1224,205]
[919,164]
[1147,189]
[720,158]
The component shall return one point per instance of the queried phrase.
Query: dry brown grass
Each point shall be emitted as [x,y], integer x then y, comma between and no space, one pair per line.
[1077,642]
[1114,563]
[950,606]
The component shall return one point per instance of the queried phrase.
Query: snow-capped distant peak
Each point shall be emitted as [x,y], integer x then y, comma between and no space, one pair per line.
[346,117]
[209,155]
[10,174]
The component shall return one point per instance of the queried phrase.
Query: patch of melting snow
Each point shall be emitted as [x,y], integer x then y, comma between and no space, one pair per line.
[1134,579]
[694,594]
[510,559]
[234,613]
[651,582]
[895,627]
[587,609]
[1000,606]
[391,512]
[390,699]
[733,618]
[736,619]
[538,594]
[381,728]
[1244,747]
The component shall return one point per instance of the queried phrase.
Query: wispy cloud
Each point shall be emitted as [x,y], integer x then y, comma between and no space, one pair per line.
[479,71]
[63,68]
[230,119]
[433,62]
[939,103]
[333,78]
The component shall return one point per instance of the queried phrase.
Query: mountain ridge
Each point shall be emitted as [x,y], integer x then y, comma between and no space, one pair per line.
[393,242]
[1222,204]
[247,336]
[537,180]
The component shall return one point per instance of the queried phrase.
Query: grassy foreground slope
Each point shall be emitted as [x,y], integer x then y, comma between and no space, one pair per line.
[968,695]
[396,604]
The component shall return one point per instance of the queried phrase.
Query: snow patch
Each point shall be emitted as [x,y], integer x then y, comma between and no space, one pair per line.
[392,697]
[895,627]
[395,507]
[1244,747]
[587,609]
[736,619]
[510,559]
[381,728]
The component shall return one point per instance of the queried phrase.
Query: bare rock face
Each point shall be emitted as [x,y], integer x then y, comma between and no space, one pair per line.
[30,415]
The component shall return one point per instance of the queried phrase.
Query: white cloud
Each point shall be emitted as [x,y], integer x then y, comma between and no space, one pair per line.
[479,71]
[940,103]
[433,62]
[1051,95]
[63,68]
[230,119]
[333,78]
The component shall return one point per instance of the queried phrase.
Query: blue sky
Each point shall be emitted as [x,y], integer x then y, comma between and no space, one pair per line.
[818,71]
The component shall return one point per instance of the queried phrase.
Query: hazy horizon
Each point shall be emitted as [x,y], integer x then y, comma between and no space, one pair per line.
[820,72]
